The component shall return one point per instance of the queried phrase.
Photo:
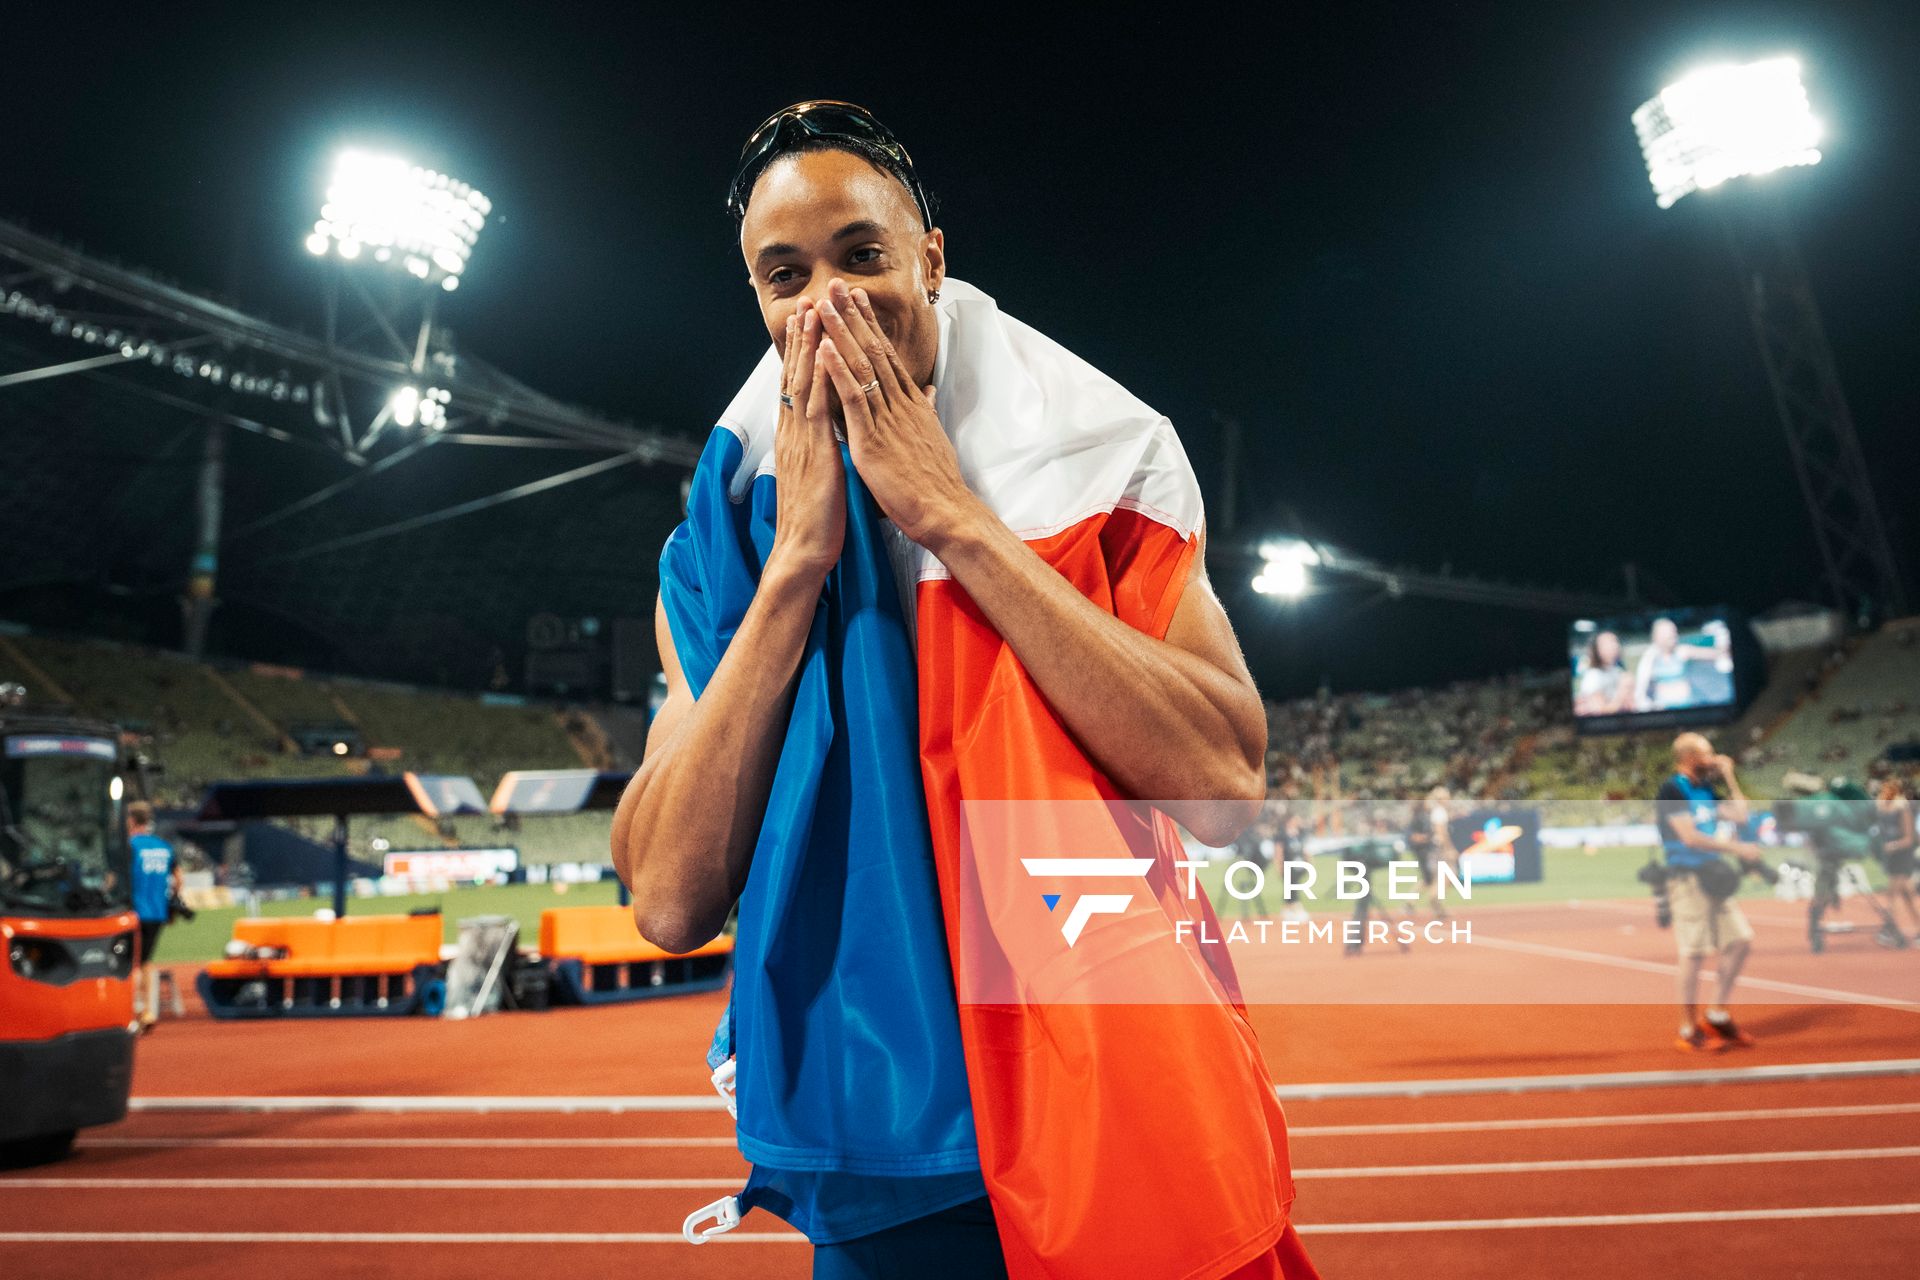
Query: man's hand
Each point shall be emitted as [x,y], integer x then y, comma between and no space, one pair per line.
[1723,765]
[898,445]
[810,519]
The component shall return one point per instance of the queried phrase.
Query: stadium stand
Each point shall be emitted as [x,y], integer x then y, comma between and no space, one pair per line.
[1833,708]
[202,722]
[1827,708]
[1867,703]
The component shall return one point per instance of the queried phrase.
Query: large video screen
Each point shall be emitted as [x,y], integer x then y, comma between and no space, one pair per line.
[1679,666]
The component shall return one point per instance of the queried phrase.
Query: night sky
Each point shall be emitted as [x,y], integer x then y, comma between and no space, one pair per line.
[1412,249]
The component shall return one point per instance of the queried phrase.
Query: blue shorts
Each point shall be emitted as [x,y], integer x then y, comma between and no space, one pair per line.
[961,1243]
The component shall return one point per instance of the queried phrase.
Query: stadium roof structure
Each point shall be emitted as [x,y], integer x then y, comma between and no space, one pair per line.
[130,319]
[1398,581]
[433,795]
[333,554]
[531,791]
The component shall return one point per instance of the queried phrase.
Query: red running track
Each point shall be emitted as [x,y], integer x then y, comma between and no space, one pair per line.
[1752,1179]
[1714,1180]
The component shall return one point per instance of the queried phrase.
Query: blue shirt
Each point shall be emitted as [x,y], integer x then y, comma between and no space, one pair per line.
[1681,796]
[843,1024]
[152,877]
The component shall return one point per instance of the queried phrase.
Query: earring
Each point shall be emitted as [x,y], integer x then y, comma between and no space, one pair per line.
[933,295]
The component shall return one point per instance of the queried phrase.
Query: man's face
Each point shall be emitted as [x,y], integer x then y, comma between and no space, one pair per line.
[822,214]
[1694,756]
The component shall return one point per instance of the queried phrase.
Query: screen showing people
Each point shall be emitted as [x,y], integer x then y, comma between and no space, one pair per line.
[1651,664]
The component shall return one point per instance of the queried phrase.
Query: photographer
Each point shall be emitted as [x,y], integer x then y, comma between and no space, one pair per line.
[1375,850]
[1897,846]
[156,884]
[1841,825]
[1701,884]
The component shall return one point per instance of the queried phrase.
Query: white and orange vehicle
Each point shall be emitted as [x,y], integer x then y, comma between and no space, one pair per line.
[68,931]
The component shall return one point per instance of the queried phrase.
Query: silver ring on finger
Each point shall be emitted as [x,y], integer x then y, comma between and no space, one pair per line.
[786,400]
[870,388]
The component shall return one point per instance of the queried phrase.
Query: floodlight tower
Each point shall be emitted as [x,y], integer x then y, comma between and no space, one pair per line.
[380,209]
[1731,122]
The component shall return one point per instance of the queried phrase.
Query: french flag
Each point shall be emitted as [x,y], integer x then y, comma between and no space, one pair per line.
[900,975]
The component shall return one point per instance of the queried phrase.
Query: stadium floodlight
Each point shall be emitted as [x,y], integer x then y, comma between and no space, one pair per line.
[404,406]
[400,215]
[1726,122]
[409,405]
[1285,572]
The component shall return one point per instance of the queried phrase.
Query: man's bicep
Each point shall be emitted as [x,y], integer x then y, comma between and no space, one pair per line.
[1200,624]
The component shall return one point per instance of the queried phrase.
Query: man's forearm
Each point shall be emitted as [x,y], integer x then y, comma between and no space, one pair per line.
[698,802]
[1164,724]
[1737,807]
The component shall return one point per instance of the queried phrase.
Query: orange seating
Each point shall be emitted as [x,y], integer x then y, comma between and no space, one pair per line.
[607,935]
[357,945]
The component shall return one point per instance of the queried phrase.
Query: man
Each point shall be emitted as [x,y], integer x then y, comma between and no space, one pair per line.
[1255,845]
[1688,813]
[984,552]
[1435,817]
[1897,844]
[156,879]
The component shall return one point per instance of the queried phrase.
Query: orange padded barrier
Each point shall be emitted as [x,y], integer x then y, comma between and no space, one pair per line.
[325,948]
[607,935]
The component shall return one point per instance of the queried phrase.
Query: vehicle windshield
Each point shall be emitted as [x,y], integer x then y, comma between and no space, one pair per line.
[61,851]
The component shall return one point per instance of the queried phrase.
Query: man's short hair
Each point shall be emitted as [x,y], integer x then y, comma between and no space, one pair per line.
[140,814]
[866,138]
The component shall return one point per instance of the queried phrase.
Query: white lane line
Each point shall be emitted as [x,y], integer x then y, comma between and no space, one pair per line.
[794,1237]
[482,1105]
[1668,970]
[1648,1118]
[389,1237]
[489,1103]
[1601,1121]
[1609,1162]
[1601,1080]
[372,1184]
[325,1144]
[1746,906]
[691,1184]
[1605,1220]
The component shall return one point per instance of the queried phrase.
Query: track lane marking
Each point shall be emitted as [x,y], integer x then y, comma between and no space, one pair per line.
[426,1142]
[456,1143]
[1600,1121]
[1670,970]
[1692,1160]
[484,1104]
[372,1184]
[1708,1216]
[1609,1162]
[389,1237]
[1714,1216]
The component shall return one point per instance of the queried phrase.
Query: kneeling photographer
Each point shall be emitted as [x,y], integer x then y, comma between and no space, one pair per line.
[1840,825]
[1700,884]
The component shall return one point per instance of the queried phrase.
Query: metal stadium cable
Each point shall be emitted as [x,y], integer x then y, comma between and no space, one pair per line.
[460,509]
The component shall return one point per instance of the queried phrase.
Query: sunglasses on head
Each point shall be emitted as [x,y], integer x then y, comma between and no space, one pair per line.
[828,121]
